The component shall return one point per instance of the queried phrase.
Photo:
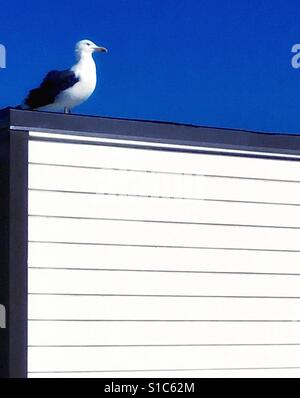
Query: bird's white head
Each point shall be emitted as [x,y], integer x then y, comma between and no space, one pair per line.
[84,47]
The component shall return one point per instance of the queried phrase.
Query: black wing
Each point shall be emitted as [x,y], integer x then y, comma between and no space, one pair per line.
[54,83]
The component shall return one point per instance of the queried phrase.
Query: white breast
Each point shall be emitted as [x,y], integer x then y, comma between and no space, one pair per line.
[85,70]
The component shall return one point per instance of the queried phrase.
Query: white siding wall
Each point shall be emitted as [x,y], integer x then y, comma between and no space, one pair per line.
[155,263]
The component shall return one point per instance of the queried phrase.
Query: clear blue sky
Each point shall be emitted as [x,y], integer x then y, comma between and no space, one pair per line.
[224,63]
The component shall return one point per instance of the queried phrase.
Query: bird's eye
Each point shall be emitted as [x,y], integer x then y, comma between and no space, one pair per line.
[88,44]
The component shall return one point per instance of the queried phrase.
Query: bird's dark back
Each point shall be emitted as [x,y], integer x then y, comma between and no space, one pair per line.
[53,84]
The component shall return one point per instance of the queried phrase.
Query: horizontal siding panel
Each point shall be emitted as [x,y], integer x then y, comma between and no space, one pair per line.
[105,156]
[135,308]
[64,204]
[134,233]
[136,183]
[147,199]
[111,257]
[137,358]
[106,282]
[128,333]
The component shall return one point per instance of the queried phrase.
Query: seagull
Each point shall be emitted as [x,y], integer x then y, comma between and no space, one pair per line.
[61,91]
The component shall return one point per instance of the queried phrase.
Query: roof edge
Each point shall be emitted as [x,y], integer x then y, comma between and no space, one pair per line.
[149,131]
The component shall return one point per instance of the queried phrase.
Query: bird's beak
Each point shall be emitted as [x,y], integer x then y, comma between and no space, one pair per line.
[101,49]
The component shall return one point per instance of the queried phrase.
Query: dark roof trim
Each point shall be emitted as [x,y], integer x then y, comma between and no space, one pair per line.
[149,131]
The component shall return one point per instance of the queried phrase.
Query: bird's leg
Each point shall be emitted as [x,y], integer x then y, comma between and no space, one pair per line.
[67,110]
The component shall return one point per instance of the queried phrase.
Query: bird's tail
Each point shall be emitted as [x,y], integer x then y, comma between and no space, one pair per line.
[19,107]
